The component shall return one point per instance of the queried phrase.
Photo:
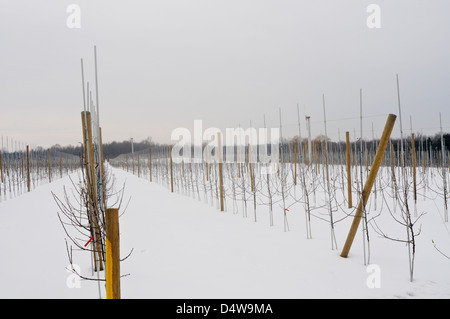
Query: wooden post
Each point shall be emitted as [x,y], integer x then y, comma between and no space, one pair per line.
[369,183]
[316,147]
[424,156]
[238,164]
[349,174]
[139,167]
[171,170]
[49,173]
[28,168]
[60,165]
[295,163]
[37,164]
[93,193]
[413,155]
[92,186]
[112,254]
[150,163]
[206,166]
[85,170]
[182,168]
[219,159]
[21,170]
[252,184]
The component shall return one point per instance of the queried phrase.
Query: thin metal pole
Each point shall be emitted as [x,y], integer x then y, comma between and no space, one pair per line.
[302,175]
[98,129]
[364,216]
[99,183]
[333,236]
[286,226]
[444,170]
[402,155]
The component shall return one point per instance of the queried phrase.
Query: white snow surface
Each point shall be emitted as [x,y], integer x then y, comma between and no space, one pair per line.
[184,247]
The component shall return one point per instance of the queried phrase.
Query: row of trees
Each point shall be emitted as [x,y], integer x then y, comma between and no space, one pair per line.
[114,149]
[316,187]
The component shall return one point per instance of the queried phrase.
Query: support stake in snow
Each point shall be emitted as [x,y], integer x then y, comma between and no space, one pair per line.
[369,183]
[112,254]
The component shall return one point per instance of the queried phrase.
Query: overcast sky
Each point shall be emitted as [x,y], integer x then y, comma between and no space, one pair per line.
[163,64]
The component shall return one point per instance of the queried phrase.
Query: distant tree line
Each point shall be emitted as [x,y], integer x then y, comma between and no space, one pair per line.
[426,142]
[113,149]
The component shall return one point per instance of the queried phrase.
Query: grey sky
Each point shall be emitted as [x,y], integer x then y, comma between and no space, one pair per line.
[163,64]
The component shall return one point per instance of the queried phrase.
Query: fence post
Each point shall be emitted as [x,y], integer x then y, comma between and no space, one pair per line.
[112,254]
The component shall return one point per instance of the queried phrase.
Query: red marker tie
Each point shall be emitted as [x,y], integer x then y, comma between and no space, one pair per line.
[89,241]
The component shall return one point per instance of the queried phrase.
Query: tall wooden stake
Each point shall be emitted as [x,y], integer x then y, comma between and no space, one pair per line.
[112,254]
[92,184]
[369,183]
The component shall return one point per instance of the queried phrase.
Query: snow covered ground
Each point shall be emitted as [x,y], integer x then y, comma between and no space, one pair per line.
[186,248]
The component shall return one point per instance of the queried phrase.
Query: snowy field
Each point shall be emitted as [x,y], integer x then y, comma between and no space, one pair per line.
[186,248]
